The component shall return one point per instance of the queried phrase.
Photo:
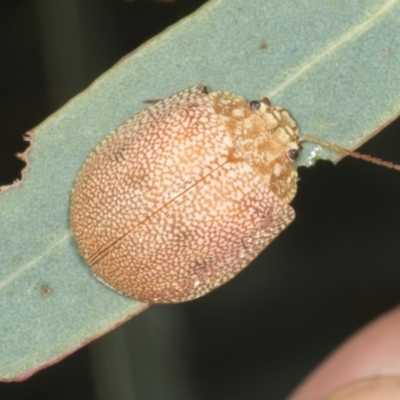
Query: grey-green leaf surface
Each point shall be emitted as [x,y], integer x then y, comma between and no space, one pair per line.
[334,65]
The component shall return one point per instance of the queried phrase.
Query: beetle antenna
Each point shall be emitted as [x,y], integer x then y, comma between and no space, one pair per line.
[354,154]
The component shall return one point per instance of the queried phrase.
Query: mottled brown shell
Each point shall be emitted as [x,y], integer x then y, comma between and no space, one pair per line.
[185,194]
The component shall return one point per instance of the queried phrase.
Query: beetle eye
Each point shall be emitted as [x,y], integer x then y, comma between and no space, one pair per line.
[255,105]
[293,154]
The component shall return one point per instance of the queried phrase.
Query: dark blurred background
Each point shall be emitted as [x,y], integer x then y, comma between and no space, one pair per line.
[333,270]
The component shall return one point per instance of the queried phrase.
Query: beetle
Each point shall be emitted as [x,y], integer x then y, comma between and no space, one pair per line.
[185,194]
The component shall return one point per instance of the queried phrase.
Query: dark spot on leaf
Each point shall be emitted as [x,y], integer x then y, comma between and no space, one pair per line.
[46,290]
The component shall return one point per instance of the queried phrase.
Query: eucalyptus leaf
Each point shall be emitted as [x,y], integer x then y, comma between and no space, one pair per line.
[334,65]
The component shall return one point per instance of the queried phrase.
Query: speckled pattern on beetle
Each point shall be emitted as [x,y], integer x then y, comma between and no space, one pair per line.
[185,194]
